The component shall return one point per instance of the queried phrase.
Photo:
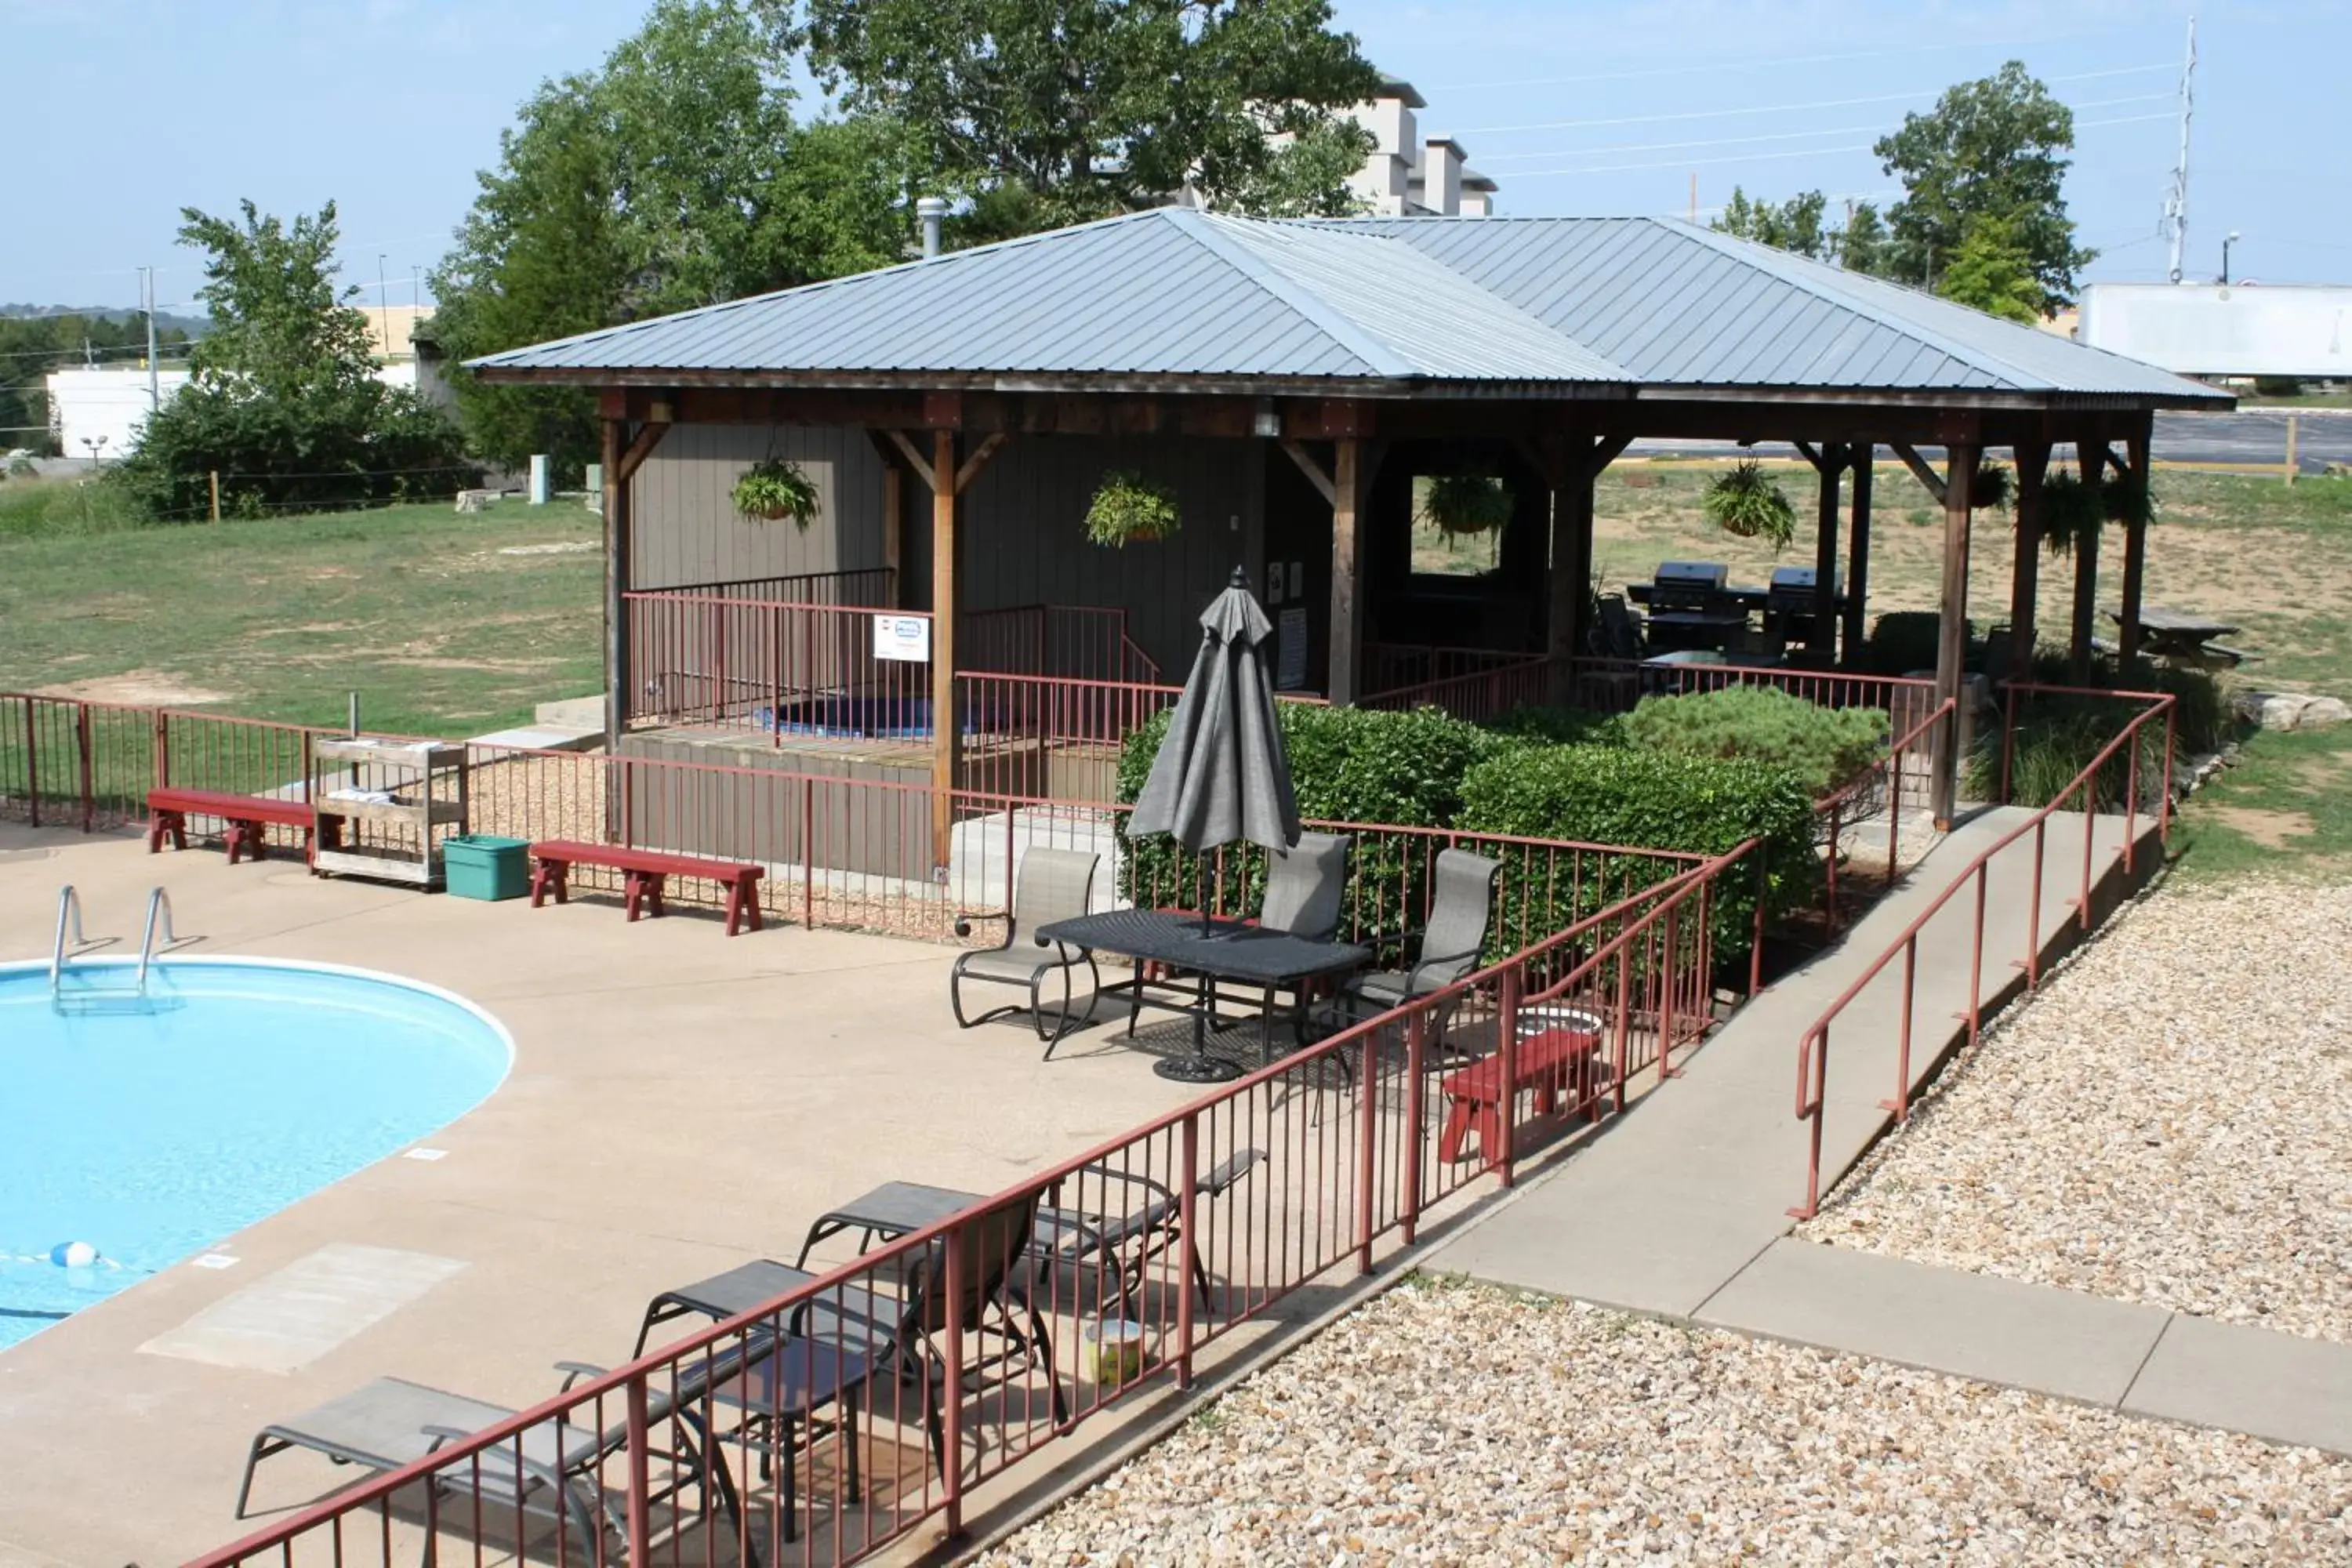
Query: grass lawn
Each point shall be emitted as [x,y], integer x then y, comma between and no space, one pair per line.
[2284,811]
[444,624]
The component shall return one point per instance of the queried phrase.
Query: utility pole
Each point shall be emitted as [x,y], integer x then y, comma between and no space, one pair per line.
[384,306]
[155,382]
[2176,201]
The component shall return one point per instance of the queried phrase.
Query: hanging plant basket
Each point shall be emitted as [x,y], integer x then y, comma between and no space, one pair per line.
[1460,505]
[1127,506]
[775,488]
[2127,501]
[1990,490]
[1748,504]
[2072,511]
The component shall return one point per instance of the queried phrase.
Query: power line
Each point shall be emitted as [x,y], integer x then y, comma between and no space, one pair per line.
[1774,108]
[1753,64]
[1769,136]
[1759,157]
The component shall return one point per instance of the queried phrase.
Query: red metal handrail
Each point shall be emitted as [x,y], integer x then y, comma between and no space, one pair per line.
[1812,1047]
[1886,771]
[1355,1197]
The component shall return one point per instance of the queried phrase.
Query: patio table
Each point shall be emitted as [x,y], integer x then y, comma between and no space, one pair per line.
[1210,950]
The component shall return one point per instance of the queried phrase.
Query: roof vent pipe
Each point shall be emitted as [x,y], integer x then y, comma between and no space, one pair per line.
[930,210]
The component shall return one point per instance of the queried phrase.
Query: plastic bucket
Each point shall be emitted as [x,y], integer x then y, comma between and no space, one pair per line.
[1115,1351]
[477,866]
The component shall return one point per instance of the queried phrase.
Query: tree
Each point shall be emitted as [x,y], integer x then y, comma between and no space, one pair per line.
[1038,112]
[673,176]
[1798,225]
[284,404]
[1989,149]
[32,346]
[1992,271]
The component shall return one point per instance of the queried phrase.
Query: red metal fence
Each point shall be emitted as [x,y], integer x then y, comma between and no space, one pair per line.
[810,669]
[2119,780]
[1079,642]
[850,1411]
[1481,689]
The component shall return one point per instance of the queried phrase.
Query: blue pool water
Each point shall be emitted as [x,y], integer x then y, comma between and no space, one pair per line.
[842,717]
[153,1131]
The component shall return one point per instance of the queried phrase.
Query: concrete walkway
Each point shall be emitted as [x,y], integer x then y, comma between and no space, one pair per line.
[1682,1209]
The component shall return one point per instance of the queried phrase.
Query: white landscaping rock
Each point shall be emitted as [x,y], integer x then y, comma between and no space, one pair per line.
[476,500]
[1463,1424]
[2168,1122]
[2293,711]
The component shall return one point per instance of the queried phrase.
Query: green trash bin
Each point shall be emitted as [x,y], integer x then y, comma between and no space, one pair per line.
[477,866]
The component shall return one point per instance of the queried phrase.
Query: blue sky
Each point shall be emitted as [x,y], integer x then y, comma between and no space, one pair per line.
[131,109]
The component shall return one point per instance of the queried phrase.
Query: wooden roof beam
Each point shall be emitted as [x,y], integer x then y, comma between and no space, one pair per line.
[1920,470]
[1315,473]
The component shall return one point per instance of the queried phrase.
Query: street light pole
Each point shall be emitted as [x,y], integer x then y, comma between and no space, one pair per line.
[384,306]
[2227,240]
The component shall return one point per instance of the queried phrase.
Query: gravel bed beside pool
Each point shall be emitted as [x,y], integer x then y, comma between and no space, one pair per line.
[1464,1424]
[2170,1121]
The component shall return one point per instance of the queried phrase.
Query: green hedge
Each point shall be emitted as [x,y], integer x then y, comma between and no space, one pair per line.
[1609,794]
[1823,746]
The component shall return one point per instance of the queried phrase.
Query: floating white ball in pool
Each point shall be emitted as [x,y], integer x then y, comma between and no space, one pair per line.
[73,1255]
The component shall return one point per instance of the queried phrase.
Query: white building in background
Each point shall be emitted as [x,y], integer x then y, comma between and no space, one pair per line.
[99,411]
[1407,176]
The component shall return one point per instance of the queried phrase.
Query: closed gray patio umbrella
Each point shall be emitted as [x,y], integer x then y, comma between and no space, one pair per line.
[1222,775]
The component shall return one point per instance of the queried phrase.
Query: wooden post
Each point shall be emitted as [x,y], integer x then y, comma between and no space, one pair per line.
[1952,644]
[894,514]
[2291,432]
[616,583]
[1346,561]
[1571,569]
[1857,570]
[2026,578]
[2134,549]
[2086,568]
[214,475]
[947,728]
[1822,640]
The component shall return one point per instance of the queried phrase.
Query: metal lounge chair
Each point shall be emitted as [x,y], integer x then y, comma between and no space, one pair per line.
[895,1331]
[1052,884]
[1129,1241]
[551,1470]
[1460,910]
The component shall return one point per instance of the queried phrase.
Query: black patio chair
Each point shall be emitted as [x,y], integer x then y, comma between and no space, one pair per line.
[1460,913]
[1131,1239]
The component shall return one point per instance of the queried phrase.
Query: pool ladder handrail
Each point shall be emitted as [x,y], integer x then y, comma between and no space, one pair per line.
[159,906]
[69,911]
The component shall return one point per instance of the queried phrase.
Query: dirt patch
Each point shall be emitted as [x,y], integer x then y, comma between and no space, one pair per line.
[137,688]
[2271,829]
[2327,771]
[312,630]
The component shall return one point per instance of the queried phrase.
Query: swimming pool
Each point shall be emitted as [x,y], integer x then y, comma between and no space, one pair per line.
[149,1130]
[838,716]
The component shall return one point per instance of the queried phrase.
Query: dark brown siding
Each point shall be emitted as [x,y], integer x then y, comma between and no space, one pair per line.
[686,531]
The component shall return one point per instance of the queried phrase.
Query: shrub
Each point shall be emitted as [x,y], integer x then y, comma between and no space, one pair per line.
[2056,739]
[1555,727]
[1823,746]
[1609,794]
[1905,640]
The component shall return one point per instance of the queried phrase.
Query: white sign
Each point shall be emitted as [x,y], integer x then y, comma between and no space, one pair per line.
[903,638]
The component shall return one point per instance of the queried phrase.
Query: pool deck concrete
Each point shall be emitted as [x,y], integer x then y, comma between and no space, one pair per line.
[679,1102]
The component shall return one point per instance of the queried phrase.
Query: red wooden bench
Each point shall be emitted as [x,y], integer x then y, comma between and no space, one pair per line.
[552,859]
[1549,1062]
[168,810]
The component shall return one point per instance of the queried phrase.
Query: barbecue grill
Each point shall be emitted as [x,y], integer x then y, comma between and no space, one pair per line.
[1692,585]
[1792,590]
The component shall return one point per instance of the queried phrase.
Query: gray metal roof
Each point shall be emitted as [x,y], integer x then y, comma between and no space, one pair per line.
[1599,306]
[1684,306]
[1164,292]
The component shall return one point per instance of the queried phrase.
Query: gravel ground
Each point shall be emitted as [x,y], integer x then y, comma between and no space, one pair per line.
[1560,1432]
[2170,1121]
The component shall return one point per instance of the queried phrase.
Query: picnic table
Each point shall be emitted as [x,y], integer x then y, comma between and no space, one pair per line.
[2183,638]
[1199,951]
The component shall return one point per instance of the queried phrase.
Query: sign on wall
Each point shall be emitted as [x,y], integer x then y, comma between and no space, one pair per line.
[906,638]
